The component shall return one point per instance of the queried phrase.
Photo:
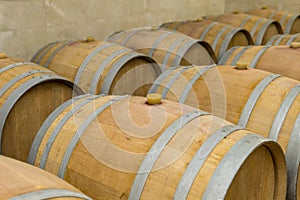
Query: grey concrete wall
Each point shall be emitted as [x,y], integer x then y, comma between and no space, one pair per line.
[288,5]
[27,25]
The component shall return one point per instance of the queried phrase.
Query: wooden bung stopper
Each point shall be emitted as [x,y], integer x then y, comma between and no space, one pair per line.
[153,99]
[241,65]
[154,28]
[295,45]
[3,55]
[90,39]
[199,19]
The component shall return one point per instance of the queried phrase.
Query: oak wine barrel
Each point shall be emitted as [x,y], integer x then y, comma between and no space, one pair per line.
[261,29]
[290,22]
[28,94]
[168,48]
[220,36]
[265,103]
[120,147]
[284,39]
[282,60]
[100,67]
[21,181]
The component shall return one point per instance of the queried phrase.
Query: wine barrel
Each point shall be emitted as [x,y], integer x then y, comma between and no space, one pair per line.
[290,22]
[21,181]
[265,103]
[261,29]
[100,67]
[28,94]
[284,39]
[168,48]
[276,59]
[121,147]
[220,36]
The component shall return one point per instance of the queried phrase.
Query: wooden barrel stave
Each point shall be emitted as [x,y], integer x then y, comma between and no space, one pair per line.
[261,29]
[290,22]
[169,48]
[100,67]
[22,181]
[267,103]
[172,125]
[220,36]
[268,58]
[28,93]
[284,39]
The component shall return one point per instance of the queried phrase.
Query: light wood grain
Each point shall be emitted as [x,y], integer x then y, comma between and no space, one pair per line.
[272,28]
[133,76]
[147,40]
[195,29]
[224,91]
[281,16]
[276,59]
[18,178]
[108,155]
[32,108]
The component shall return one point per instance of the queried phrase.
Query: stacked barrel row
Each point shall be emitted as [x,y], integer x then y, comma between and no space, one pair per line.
[258,26]
[93,142]
[72,116]
[220,90]
[30,92]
